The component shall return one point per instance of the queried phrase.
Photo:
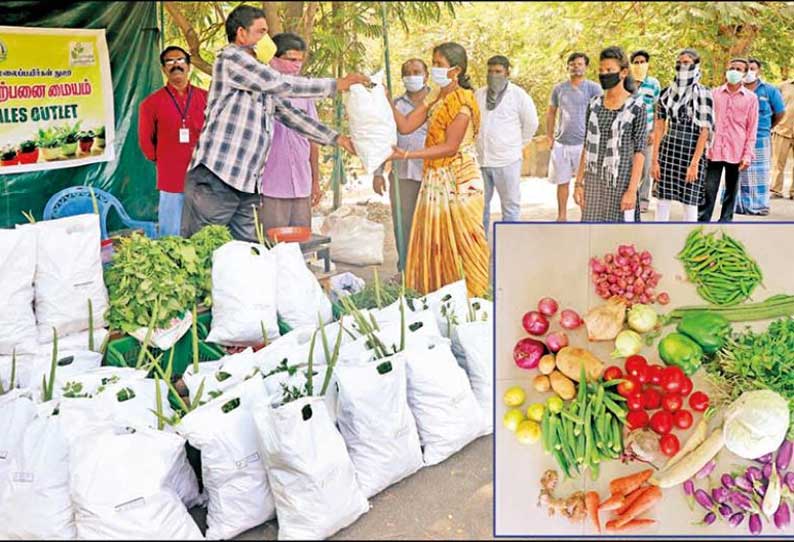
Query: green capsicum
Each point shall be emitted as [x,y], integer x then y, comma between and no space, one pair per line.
[708,329]
[679,350]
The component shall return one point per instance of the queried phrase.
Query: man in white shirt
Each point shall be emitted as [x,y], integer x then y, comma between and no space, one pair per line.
[508,120]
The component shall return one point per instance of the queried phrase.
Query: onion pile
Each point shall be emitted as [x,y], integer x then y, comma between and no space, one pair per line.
[627,274]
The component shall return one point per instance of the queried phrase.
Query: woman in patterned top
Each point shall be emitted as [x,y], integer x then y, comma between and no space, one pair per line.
[447,236]
[613,154]
[684,127]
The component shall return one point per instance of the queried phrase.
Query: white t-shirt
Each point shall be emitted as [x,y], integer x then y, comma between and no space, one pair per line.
[507,129]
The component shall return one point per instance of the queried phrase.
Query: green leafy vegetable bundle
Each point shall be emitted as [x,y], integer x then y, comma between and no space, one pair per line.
[751,360]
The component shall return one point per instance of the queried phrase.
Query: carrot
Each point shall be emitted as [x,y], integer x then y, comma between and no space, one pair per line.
[591,503]
[627,484]
[648,498]
[612,526]
[629,500]
[612,503]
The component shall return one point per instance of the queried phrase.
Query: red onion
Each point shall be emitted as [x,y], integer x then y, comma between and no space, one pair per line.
[608,258]
[663,298]
[547,306]
[527,353]
[535,323]
[597,266]
[556,341]
[622,261]
[570,319]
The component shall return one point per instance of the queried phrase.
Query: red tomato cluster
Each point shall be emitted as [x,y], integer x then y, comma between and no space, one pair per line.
[661,389]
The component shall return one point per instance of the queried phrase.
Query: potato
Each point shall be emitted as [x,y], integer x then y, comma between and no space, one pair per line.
[570,359]
[547,364]
[541,383]
[562,385]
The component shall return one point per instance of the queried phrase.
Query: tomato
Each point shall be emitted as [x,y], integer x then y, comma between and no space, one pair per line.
[699,401]
[637,419]
[686,389]
[634,400]
[613,372]
[629,386]
[655,374]
[651,398]
[637,366]
[672,379]
[669,445]
[672,402]
[682,419]
[662,422]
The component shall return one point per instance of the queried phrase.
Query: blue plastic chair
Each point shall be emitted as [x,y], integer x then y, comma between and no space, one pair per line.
[76,200]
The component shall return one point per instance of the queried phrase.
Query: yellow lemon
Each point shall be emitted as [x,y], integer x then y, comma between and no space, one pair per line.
[535,411]
[512,418]
[515,396]
[528,432]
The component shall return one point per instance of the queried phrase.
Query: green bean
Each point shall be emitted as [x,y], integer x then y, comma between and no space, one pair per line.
[545,433]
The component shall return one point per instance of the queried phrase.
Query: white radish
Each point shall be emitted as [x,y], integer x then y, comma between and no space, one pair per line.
[687,467]
[695,439]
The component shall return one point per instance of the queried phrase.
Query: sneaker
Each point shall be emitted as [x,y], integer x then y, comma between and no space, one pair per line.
[776,195]
[765,212]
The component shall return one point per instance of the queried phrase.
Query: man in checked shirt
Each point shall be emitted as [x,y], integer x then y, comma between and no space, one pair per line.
[246,94]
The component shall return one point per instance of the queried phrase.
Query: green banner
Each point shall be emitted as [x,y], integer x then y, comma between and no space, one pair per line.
[133,41]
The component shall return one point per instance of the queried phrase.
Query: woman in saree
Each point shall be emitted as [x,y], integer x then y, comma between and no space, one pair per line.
[447,237]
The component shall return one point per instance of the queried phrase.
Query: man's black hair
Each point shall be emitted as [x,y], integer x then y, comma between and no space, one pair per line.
[754,60]
[574,56]
[410,60]
[241,16]
[287,41]
[499,60]
[641,52]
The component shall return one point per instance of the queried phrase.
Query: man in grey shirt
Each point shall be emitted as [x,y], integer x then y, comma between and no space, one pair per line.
[570,99]
[414,75]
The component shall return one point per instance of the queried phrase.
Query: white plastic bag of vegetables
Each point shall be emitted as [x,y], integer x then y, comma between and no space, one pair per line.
[64,283]
[234,474]
[221,375]
[68,366]
[448,303]
[139,503]
[372,125]
[311,474]
[303,301]
[75,342]
[35,496]
[18,268]
[17,410]
[475,342]
[447,413]
[244,294]
[21,369]
[377,424]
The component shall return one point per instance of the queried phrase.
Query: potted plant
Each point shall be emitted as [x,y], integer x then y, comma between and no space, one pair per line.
[69,139]
[28,152]
[49,144]
[86,139]
[99,135]
[8,156]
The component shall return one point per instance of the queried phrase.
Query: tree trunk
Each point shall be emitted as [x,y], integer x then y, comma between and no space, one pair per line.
[308,21]
[191,36]
[293,12]
[273,16]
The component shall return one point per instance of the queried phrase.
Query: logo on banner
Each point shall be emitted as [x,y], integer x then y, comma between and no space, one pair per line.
[3,51]
[81,53]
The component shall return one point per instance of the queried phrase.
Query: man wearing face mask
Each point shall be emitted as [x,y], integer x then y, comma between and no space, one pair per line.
[735,125]
[291,179]
[414,77]
[650,90]
[754,181]
[566,139]
[246,96]
[508,121]
[169,122]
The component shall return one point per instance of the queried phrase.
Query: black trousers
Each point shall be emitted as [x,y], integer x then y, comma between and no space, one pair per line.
[712,187]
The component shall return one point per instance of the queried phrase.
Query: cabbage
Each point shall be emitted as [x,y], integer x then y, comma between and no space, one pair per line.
[756,423]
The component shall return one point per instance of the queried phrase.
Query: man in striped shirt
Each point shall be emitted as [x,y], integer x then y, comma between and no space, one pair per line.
[648,87]
[246,95]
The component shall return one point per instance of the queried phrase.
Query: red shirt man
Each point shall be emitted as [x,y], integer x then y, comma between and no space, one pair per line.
[169,123]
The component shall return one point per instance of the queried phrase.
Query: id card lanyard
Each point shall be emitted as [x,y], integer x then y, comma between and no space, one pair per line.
[184,132]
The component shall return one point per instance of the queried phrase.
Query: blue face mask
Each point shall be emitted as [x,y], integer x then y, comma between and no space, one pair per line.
[439,76]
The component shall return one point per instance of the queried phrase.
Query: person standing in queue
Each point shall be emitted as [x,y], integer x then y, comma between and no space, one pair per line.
[246,95]
[169,123]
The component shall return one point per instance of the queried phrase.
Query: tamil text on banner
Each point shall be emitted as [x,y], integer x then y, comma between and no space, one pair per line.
[56,99]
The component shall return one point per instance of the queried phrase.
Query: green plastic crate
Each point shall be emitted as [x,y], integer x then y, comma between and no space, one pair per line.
[124,353]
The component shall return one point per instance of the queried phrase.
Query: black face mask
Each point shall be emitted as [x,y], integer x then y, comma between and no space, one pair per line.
[609,80]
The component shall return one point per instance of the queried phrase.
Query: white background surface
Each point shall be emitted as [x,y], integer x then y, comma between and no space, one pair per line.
[538,260]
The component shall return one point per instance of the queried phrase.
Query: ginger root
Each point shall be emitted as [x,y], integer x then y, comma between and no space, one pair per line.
[573,507]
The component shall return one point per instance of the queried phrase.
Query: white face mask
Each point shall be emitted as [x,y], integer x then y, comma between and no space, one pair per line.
[439,76]
[414,83]
[751,77]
